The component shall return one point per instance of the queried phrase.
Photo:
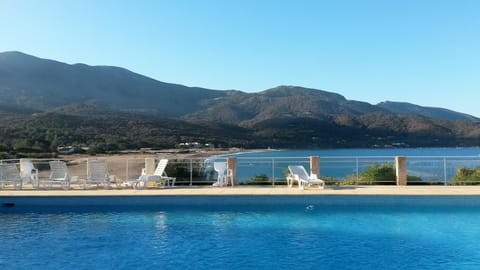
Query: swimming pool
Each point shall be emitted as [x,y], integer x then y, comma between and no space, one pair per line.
[244,232]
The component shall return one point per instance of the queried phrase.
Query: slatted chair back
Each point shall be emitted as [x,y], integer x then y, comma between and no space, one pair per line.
[97,171]
[10,174]
[58,171]
[97,174]
[162,165]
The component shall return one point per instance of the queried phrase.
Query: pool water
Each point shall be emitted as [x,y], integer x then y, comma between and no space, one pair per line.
[245,237]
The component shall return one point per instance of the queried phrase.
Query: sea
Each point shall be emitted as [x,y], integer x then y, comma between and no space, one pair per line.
[355,152]
[428,164]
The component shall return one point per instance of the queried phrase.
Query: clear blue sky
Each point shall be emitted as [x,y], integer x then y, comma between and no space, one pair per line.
[419,51]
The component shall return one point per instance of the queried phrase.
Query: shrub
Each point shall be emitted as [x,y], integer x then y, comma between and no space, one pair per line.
[467,176]
[4,155]
[379,174]
[259,179]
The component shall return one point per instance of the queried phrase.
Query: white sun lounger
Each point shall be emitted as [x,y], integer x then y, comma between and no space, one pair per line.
[299,174]
[97,174]
[159,176]
[9,175]
[59,176]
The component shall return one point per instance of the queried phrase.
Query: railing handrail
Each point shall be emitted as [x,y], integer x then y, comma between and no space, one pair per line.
[427,168]
[339,157]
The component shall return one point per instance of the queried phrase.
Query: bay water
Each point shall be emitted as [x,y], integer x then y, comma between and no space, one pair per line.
[429,164]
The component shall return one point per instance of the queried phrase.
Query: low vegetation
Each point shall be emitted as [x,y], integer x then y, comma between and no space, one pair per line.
[259,179]
[379,174]
[466,176]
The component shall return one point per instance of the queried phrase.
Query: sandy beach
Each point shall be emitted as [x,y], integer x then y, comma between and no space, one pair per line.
[129,165]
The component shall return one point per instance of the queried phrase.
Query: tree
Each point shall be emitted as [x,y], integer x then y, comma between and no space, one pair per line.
[22,145]
[4,147]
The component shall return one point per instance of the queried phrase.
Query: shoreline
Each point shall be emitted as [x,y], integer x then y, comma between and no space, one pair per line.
[175,153]
[238,153]
[128,166]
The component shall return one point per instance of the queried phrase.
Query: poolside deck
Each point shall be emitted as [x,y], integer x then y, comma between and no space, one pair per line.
[257,190]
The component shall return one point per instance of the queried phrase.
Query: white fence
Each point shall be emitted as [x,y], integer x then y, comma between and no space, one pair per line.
[272,171]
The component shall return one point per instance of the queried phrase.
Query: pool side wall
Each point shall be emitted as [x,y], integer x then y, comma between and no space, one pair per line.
[26,203]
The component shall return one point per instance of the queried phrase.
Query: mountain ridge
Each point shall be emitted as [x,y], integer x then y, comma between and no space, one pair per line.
[434,112]
[36,66]
[32,88]
[44,83]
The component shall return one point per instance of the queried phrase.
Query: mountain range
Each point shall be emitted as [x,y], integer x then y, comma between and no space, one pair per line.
[44,103]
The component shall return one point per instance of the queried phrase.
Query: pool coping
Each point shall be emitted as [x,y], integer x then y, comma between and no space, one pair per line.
[255,191]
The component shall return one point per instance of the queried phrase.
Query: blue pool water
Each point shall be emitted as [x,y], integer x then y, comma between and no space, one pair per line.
[297,236]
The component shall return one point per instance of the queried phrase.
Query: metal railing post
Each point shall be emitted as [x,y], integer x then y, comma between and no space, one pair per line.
[273,172]
[445,171]
[126,171]
[356,169]
[191,172]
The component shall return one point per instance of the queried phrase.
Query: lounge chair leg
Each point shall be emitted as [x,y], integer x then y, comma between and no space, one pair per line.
[301,185]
